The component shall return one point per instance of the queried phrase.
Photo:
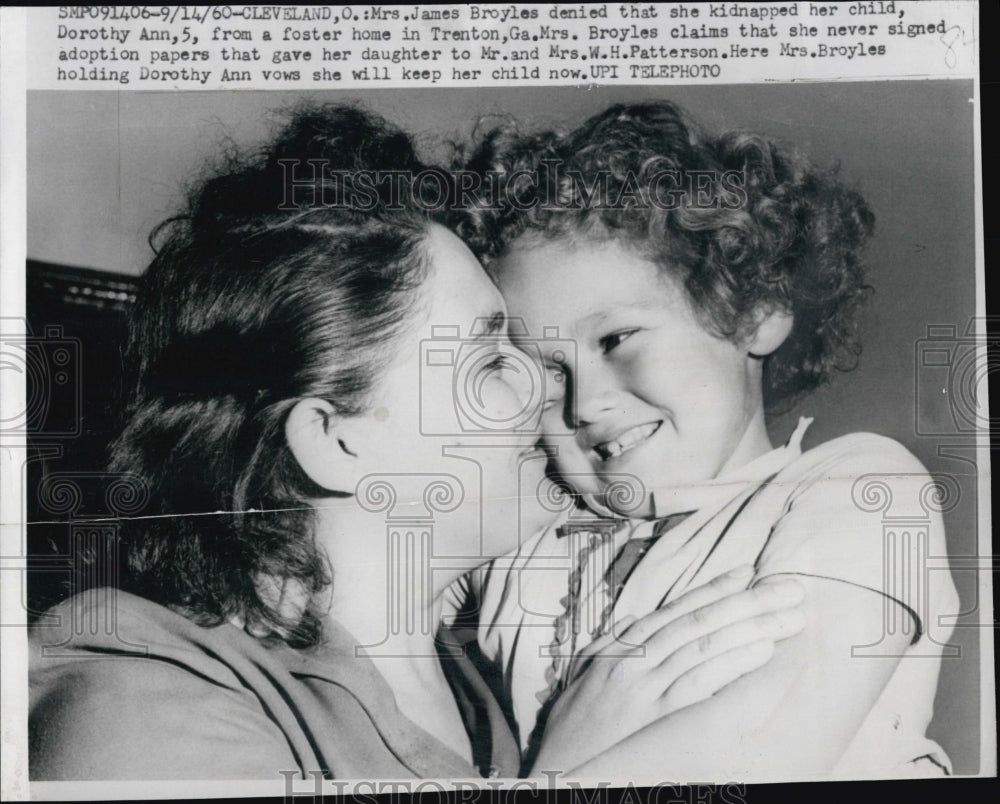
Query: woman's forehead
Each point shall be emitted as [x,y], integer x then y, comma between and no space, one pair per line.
[457,287]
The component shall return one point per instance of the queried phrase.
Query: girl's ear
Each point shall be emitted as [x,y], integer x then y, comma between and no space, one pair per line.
[772,329]
[322,443]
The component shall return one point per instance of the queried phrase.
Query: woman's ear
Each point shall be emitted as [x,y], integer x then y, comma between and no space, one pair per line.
[772,329]
[321,442]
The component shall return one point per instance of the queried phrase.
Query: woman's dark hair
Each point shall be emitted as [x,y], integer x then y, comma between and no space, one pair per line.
[742,223]
[271,286]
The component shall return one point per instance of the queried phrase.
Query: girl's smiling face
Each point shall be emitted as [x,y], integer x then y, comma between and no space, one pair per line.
[652,393]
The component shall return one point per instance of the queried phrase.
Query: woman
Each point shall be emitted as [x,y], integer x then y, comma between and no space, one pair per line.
[312,497]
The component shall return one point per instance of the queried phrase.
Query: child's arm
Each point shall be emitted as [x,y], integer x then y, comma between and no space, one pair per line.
[794,716]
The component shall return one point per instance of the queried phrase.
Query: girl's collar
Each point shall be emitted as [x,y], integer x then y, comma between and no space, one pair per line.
[694,496]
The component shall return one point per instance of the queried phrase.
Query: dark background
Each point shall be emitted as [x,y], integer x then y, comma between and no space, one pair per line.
[105,167]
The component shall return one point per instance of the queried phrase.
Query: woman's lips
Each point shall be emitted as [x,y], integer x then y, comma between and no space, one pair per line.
[625,441]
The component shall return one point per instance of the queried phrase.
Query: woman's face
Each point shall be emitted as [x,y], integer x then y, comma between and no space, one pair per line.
[453,420]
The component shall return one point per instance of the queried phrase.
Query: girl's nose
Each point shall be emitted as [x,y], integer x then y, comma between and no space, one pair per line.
[595,392]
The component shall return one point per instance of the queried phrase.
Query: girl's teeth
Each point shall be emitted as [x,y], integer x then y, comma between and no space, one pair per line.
[612,449]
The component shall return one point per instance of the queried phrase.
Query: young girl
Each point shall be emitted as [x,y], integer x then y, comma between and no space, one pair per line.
[703,281]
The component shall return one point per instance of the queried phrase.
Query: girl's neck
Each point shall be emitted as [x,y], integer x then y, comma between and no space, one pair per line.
[754,443]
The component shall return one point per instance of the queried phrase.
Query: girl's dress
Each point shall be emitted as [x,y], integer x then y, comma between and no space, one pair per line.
[859,509]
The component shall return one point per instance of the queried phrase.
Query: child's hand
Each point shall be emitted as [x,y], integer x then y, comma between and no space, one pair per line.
[679,655]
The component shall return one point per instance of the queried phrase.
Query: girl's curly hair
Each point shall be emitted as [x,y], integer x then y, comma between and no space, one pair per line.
[743,224]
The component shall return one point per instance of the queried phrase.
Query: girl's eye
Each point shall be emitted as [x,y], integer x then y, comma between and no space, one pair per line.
[609,342]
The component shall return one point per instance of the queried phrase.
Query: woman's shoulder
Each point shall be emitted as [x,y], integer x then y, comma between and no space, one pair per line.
[109,625]
[118,701]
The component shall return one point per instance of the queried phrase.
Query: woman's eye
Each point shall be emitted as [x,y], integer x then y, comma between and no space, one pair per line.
[499,362]
[609,342]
